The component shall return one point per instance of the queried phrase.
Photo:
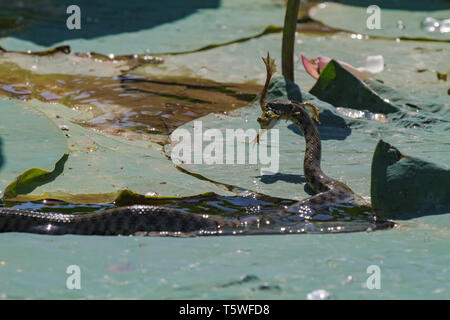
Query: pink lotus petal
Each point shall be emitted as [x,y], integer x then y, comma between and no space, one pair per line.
[311,66]
[323,61]
[315,66]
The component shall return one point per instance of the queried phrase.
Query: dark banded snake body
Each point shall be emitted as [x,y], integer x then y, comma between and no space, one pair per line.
[148,220]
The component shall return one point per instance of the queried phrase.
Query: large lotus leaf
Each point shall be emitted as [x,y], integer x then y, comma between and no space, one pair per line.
[97,164]
[28,139]
[142,26]
[409,79]
[401,20]
[405,187]
[347,146]
[409,65]
[239,60]
[69,64]
[413,262]
[342,89]
[339,87]
[33,178]
[406,255]
[400,73]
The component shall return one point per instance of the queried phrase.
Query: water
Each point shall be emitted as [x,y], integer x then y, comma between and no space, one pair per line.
[211,268]
[337,218]
[413,259]
[126,102]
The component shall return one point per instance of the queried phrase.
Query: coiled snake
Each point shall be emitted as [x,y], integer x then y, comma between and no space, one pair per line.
[149,219]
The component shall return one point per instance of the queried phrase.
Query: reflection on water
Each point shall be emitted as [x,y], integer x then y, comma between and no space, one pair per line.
[431,24]
[358,114]
[336,219]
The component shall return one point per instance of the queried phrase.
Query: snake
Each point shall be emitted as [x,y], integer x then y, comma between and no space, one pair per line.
[148,220]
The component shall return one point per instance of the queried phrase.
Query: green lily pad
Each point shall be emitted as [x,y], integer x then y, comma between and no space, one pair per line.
[403,20]
[151,26]
[409,65]
[146,108]
[339,87]
[69,64]
[342,89]
[98,164]
[237,63]
[347,146]
[289,182]
[407,187]
[29,140]
[33,178]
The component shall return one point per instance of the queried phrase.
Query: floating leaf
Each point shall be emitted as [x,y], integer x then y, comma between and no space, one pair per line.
[347,146]
[403,19]
[135,28]
[407,187]
[98,164]
[28,140]
[339,87]
[33,178]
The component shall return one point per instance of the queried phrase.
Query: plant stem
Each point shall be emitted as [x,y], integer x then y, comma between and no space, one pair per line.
[287,48]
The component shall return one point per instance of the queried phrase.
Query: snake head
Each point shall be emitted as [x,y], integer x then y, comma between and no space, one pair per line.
[268,120]
[286,110]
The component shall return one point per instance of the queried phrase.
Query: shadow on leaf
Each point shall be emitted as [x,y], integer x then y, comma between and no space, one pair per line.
[286,177]
[33,178]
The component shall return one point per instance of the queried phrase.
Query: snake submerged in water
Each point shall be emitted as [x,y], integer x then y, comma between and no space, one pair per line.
[149,220]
